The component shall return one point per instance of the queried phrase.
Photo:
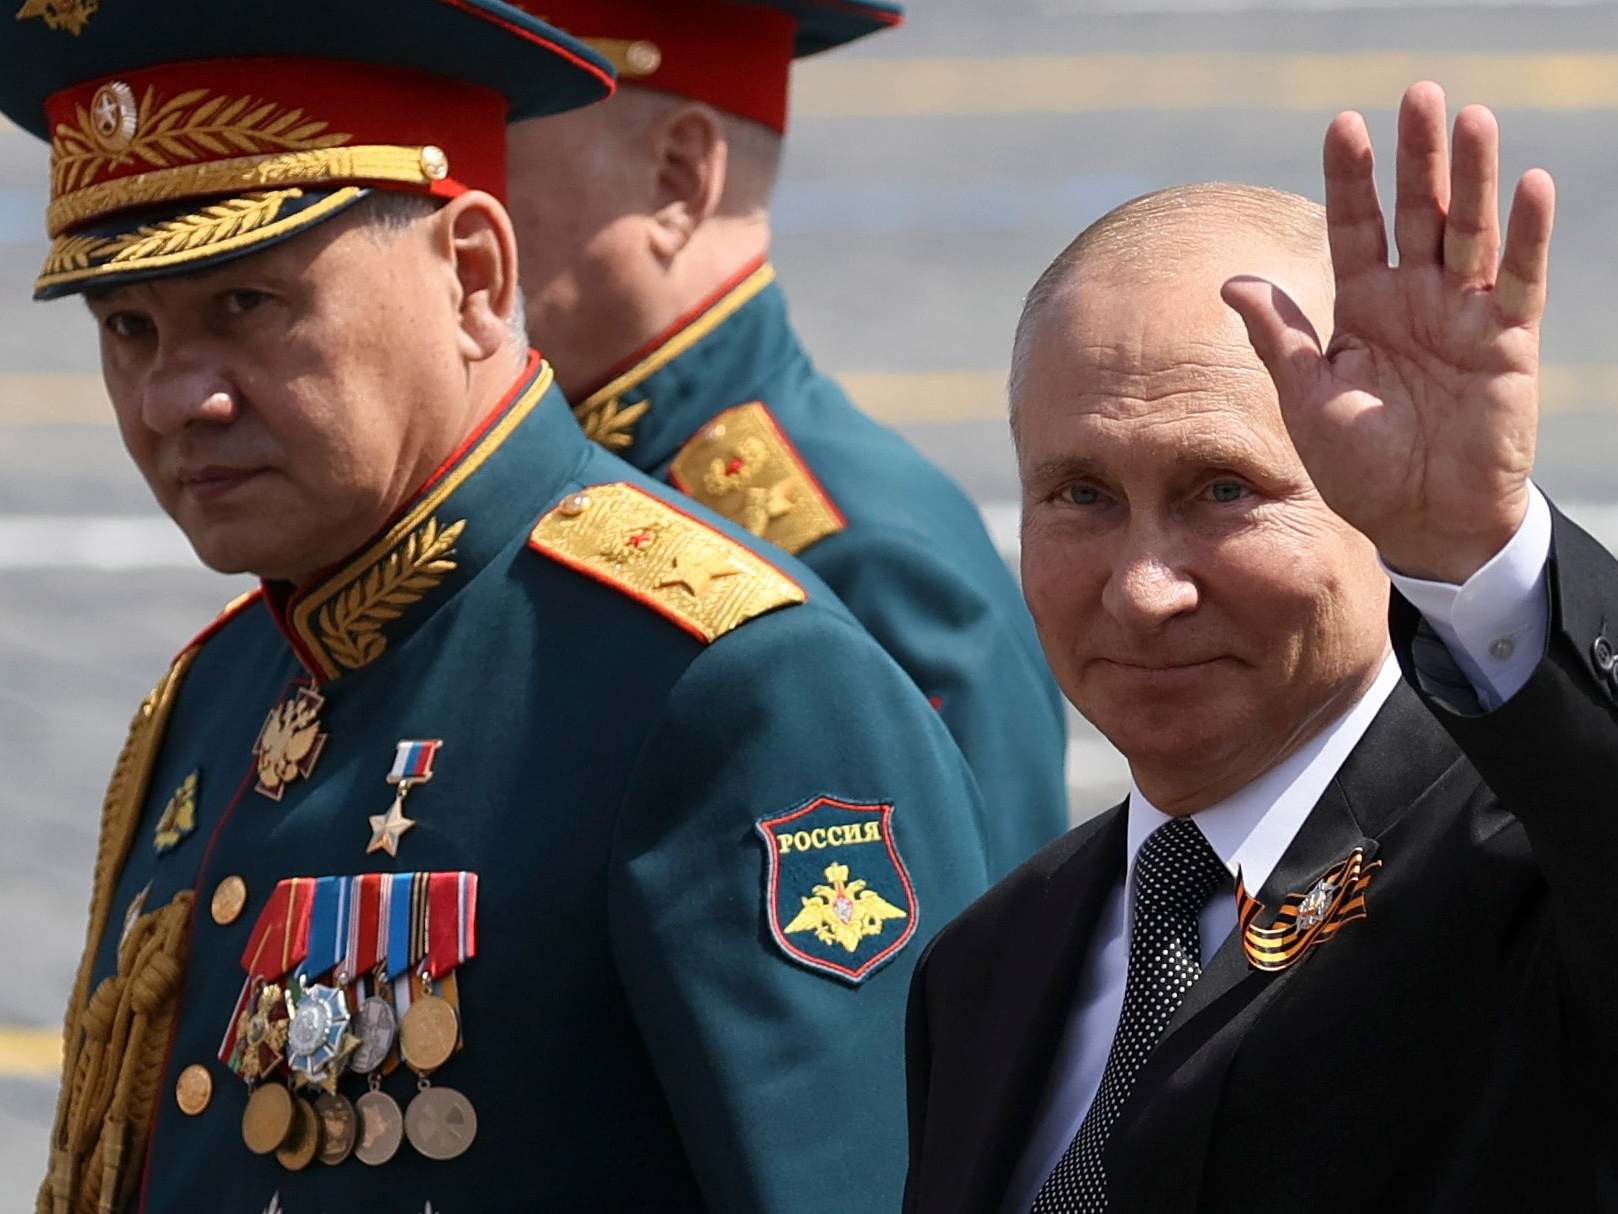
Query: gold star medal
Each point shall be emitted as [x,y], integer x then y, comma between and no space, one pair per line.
[412,764]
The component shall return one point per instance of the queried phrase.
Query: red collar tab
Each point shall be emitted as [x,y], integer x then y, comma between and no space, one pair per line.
[216,127]
[734,57]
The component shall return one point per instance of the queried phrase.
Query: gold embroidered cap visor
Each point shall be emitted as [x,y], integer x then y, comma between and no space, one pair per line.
[150,244]
[179,140]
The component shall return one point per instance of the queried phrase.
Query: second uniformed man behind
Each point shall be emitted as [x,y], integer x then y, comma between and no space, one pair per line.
[531,838]
[644,227]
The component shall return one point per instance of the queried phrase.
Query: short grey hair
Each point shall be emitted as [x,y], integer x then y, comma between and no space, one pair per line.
[389,213]
[753,163]
[1147,238]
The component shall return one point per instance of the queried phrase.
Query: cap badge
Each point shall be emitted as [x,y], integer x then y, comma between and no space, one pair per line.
[69,15]
[196,126]
[114,116]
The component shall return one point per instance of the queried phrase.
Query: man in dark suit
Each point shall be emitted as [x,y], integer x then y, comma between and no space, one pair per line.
[1348,943]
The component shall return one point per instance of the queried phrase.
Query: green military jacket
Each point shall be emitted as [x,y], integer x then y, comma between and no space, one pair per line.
[691,827]
[729,409]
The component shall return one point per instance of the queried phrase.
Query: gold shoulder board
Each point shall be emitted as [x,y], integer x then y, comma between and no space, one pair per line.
[683,569]
[743,466]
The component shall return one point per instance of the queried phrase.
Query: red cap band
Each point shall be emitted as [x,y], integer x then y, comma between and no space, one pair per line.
[735,57]
[196,115]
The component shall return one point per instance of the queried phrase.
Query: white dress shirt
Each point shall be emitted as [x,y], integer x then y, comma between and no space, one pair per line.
[1495,627]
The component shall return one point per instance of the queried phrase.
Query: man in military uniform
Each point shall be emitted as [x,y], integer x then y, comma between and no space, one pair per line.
[644,230]
[531,838]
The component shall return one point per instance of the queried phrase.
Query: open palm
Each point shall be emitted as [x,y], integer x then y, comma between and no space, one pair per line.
[1417,423]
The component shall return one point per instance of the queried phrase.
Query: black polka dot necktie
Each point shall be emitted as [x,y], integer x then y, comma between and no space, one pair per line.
[1175,873]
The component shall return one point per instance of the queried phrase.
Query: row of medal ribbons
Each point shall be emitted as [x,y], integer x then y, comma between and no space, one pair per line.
[349,977]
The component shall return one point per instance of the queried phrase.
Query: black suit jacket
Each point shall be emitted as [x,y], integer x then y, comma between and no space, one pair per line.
[1453,1051]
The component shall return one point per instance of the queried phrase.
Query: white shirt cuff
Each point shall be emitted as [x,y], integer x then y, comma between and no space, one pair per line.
[1496,625]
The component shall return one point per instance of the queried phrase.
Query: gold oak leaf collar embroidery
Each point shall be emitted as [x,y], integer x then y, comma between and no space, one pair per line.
[604,417]
[612,423]
[351,627]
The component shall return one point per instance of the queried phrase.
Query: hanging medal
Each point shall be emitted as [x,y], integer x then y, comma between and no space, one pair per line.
[380,1127]
[331,965]
[318,1040]
[374,1023]
[339,1127]
[440,1122]
[301,1145]
[412,765]
[381,1121]
[340,1120]
[255,1036]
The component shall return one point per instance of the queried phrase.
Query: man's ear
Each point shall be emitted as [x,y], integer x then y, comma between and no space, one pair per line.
[690,155]
[475,235]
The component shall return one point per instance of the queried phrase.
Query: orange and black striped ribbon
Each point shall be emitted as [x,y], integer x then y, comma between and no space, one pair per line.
[1280,945]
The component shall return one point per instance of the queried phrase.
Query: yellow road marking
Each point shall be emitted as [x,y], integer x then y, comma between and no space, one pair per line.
[1088,84]
[896,397]
[905,397]
[30,1053]
[53,400]
[833,87]
[1578,387]
[939,397]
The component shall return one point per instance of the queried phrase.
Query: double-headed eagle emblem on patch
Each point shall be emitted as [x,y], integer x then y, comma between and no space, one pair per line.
[819,916]
[843,912]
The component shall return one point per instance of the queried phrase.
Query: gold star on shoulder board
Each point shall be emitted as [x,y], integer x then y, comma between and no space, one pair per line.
[697,569]
[386,829]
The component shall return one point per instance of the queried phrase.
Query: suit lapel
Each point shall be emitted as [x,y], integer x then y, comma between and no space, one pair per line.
[1328,834]
[1019,1022]
[1156,1150]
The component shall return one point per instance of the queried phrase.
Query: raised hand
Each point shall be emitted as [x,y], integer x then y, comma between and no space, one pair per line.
[1417,423]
